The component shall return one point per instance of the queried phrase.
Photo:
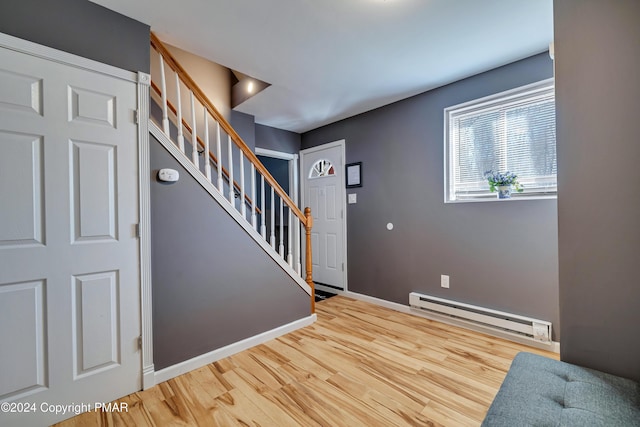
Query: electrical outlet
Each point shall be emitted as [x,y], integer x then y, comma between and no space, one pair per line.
[444,280]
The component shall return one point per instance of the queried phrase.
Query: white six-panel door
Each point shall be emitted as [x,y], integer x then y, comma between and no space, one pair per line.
[322,170]
[69,267]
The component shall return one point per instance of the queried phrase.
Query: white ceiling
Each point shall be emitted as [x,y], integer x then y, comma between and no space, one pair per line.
[331,59]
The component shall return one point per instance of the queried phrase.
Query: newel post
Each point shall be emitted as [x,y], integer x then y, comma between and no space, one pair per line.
[308,261]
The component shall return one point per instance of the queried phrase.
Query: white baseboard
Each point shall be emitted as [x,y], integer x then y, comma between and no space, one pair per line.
[377,301]
[204,359]
[553,347]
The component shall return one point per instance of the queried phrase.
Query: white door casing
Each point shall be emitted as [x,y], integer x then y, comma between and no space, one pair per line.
[324,193]
[293,168]
[69,255]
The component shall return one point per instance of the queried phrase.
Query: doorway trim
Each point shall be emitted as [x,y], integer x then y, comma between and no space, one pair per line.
[293,169]
[343,206]
[143,82]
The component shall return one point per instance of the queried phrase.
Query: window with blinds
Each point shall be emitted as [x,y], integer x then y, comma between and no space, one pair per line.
[511,131]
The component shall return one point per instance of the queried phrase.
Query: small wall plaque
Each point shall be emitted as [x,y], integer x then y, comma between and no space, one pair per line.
[354,174]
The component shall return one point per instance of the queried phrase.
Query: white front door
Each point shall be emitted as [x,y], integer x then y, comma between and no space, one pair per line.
[69,263]
[324,192]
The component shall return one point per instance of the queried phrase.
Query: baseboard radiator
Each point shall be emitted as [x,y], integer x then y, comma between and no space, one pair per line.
[505,323]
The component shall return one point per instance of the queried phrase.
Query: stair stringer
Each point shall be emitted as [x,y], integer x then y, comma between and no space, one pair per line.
[224,203]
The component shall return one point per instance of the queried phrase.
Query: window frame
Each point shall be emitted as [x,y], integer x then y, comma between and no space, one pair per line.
[320,175]
[533,90]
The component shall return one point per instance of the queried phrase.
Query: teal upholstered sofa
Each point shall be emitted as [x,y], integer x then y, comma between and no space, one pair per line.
[539,391]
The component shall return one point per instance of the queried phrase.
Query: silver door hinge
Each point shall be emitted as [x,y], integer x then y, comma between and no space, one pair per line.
[343,266]
[136,118]
[140,342]
[137,230]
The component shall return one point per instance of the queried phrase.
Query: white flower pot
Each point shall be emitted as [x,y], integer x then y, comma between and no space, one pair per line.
[504,192]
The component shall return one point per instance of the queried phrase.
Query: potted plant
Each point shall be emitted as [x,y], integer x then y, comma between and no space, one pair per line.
[502,183]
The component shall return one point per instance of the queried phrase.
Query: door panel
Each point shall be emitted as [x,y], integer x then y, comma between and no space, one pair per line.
[20,92]
[312,198]
[26,356]
[315,254]
[69,261]
[96,332]
[92,107]
[94,215]
[21,160]
[331,247]
[330,207]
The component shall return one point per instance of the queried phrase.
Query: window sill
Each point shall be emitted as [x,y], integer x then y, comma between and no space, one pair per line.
[512,199]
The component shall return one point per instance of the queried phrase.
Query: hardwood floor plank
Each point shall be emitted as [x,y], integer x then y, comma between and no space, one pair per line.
[253,390]
[446,416]
[261,374]
[388,409]
[246,410]
[301,415]
[301,360]
[352,365]
[208,383]
[174,404]
[325,414]
[358,365]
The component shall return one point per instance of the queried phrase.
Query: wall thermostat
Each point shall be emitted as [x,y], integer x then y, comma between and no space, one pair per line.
[168,175]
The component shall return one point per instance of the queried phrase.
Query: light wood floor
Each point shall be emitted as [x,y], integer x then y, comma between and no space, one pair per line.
[358,365]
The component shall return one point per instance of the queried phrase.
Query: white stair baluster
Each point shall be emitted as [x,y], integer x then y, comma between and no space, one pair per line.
[273,220]
[219,157]
[289,235]
[207,154]
[281,247]
[194,134]
[297,246]
[263,227]
[179,114]
[253,197]
[297,224]
[163,84]
[243,204]
[231,189]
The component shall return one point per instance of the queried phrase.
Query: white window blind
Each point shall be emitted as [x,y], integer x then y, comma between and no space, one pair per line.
[512,131]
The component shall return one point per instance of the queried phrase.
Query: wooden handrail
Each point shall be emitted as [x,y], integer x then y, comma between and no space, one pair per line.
[307,257]
[213,157]
[226,126]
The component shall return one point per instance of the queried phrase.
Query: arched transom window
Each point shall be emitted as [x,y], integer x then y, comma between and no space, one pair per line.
[322,168]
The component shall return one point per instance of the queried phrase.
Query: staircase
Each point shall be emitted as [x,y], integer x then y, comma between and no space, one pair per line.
[207,146]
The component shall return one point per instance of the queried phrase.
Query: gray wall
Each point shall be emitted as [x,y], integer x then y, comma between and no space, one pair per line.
[204,296]
[277,139]
[279,169]
[245,125]
[598,88]
[79,27]
[501,255]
